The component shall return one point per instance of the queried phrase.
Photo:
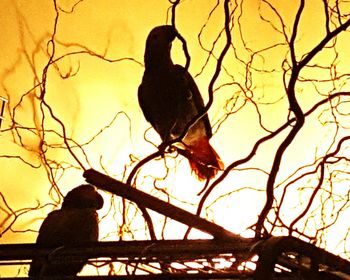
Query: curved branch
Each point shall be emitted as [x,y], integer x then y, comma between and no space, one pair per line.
[129,180]
[261,141]
[295,108]
[318,187]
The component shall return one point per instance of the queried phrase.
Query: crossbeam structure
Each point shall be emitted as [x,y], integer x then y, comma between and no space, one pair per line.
[278,258]
[226,256]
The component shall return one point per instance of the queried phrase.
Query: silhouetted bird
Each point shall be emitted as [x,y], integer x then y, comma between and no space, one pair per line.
[170,99]
[75,223]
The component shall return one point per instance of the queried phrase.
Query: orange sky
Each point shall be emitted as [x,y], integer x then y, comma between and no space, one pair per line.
[95,90]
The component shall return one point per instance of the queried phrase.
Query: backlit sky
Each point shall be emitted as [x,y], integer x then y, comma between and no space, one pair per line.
[93,91]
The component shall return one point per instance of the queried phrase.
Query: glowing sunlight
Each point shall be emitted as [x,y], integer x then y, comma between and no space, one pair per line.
[70,73]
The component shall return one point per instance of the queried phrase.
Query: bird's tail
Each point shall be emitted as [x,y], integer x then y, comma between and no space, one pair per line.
[203,159]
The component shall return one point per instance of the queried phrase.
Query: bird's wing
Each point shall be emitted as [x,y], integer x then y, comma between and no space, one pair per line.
[144,103]
[158,99]
[149,106]
[51,230]
[68,227]
[196,95]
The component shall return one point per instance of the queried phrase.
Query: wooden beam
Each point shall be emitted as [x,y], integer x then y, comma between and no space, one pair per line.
[153,249]
[111,185]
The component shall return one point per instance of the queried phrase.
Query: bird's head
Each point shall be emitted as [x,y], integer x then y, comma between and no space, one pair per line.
[163,34]
[82,197]
[158,44]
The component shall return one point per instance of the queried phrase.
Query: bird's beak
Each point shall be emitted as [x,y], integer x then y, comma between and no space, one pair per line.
[171,33]
[99,201]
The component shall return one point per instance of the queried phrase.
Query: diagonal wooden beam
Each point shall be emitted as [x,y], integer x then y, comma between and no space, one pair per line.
[111,185]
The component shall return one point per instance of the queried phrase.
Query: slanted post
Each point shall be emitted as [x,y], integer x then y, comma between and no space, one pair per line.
[111,185]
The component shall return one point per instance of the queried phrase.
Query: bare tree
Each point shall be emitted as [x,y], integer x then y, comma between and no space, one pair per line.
[276,83]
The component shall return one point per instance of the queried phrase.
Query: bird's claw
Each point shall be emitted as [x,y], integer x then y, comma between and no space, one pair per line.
[166,148]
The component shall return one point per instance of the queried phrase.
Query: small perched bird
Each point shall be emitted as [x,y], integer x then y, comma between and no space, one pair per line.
[74,224]
[170,99]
